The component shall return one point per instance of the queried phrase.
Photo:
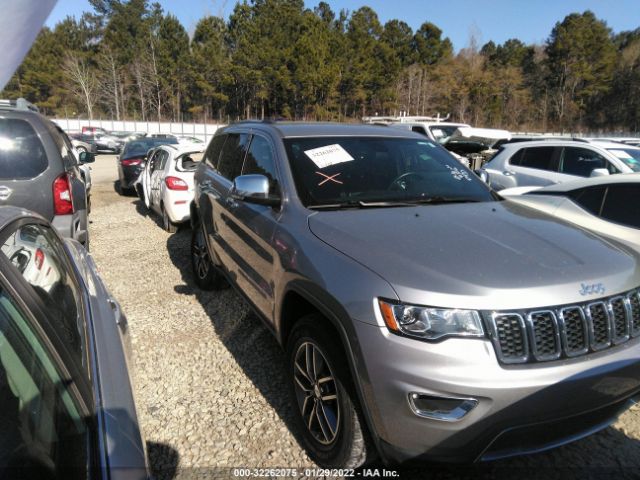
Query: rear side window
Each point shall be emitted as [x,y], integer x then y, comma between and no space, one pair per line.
[232,155]
[621,205]
[260,161]
[22,155]
[589,198]
[188,162]
[540,158]
[212,154]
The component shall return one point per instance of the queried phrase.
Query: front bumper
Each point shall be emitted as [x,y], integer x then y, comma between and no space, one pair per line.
[521,409]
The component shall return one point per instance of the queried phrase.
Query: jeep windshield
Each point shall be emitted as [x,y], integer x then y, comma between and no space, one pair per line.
[360,172]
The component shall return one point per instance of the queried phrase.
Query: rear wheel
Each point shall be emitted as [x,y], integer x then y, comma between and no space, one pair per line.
[205,273]
[167,224]
[327,409]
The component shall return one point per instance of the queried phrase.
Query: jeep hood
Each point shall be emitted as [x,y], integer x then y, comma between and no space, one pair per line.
[489,256]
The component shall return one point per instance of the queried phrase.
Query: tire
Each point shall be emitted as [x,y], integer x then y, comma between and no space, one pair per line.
[338,438]
[206,274]
[140,192]
[167,224]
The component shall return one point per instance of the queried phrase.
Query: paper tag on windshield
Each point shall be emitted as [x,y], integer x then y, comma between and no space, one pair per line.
[329,155]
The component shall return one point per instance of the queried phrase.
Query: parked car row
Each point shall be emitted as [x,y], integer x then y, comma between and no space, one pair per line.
[66,401]
[424,316]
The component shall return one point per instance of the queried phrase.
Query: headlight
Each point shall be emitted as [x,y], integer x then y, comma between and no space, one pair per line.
[431,323]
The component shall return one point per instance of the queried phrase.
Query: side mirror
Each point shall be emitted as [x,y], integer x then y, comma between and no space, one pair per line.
[599,172]
[253,189]
[87,157]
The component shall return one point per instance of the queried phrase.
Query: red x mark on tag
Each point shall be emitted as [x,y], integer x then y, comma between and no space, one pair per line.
[328,178]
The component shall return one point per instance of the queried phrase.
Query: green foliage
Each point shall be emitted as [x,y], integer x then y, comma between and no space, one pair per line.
[129,59]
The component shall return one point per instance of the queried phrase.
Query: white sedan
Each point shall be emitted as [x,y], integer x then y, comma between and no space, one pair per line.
[166,183]
[609,206]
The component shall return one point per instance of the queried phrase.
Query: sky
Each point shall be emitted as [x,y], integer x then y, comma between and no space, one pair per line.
[528,20]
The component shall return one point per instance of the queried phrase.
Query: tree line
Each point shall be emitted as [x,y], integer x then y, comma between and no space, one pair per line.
[129,59]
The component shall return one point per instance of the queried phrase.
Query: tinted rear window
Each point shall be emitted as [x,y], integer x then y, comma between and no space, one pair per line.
[22,155]
[540,158]
[140,147]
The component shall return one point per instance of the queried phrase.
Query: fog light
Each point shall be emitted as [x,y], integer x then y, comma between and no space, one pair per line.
[447,409]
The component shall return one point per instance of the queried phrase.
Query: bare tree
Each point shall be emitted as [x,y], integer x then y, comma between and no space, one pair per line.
[110,81]
[81,80]
[156,98]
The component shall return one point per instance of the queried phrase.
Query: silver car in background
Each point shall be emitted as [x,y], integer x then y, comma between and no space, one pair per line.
[609,206]
[546,162]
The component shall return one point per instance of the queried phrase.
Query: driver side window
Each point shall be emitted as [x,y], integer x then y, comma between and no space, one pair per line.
[43,430]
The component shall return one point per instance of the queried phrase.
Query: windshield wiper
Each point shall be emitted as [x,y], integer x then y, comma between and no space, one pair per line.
[360,204]
[440,199]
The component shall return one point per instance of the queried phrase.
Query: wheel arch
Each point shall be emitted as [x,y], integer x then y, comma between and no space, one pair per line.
[303,298]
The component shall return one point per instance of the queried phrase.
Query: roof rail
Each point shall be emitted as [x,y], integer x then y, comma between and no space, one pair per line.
[405,119]
[19,104]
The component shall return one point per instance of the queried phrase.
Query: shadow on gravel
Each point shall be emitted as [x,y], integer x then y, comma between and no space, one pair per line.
[608,454]
[163,461]
[244,335]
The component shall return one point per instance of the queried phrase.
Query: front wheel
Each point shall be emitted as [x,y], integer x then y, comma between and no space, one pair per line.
[205,273]
[327,409]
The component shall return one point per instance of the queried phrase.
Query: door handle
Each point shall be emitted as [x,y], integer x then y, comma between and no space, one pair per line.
[508,173]
[117,313]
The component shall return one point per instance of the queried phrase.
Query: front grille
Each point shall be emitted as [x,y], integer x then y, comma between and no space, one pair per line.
[600,325]
[511,335]
[566,331]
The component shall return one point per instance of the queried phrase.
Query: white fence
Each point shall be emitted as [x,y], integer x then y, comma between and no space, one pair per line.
[203,131]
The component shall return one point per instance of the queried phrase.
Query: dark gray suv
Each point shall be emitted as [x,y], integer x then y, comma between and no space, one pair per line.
[39,170]
[423,317]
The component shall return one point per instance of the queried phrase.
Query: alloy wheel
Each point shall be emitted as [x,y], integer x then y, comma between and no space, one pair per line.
[200,255]
[316,393]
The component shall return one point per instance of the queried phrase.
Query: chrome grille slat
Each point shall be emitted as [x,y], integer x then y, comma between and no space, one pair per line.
[634,306]
[544,334]
[511,336]
[566,331]
[599,325]
[620,319]
[575,331]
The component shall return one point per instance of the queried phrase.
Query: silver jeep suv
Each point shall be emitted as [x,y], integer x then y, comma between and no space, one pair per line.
[422,316]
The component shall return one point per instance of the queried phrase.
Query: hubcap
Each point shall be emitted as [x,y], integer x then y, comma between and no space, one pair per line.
[200,256]
[316,393]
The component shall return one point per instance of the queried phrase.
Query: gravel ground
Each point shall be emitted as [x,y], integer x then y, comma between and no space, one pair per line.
[209,379]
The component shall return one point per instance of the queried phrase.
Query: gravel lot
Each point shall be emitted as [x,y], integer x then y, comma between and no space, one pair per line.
[209,379]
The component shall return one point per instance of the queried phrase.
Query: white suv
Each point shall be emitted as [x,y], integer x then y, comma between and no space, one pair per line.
[545,162]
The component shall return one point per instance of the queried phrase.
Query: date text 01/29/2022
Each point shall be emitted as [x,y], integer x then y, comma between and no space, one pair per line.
[316,472]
